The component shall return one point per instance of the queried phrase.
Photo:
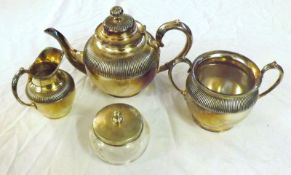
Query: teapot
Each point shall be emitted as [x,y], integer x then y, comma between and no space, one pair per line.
[121,57]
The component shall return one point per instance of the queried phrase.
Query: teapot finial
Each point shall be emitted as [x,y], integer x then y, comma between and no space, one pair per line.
[116,11]
[118,22]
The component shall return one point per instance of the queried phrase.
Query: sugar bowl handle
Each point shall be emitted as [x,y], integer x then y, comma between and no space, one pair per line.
[174,63]
[269,66]
[14,86]
[177,25]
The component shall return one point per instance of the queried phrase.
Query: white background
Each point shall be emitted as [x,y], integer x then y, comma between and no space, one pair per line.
[261,144]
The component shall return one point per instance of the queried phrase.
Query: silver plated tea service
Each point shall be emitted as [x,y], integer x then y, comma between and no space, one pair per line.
[121,58]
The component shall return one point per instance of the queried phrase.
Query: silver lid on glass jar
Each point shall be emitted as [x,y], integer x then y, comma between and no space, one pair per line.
[118,124]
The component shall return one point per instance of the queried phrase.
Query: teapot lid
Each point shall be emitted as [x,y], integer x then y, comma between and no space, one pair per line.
[118,22]
[118,124]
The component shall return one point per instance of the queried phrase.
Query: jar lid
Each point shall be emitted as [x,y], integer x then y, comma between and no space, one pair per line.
[118,22]
[118,124]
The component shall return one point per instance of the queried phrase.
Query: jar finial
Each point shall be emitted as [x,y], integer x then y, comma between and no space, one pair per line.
[117,117]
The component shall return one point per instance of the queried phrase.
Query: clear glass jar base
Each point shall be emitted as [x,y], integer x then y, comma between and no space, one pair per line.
[120,155]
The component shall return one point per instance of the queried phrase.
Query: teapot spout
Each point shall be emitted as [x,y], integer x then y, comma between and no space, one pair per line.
[74,56]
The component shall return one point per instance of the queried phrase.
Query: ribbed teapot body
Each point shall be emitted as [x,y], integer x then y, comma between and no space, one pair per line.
[121,57]
[122,65]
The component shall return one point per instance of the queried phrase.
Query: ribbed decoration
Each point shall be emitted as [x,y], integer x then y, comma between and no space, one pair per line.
[121,68]
[126,23]
[223,104]
[63,90]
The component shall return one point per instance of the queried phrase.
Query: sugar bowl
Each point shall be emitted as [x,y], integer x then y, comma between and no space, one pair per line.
[222,87]
[119,134]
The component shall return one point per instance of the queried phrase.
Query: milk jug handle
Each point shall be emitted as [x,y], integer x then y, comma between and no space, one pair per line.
[14,86]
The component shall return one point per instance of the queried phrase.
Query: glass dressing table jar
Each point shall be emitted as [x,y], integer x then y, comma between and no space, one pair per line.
[119,134]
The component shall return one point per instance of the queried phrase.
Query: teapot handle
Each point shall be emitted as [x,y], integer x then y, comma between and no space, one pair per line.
[170,74]
[177,25]
[269,66]
[14,86]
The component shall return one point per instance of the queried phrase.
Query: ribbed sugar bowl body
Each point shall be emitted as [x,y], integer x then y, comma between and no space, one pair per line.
[222,88]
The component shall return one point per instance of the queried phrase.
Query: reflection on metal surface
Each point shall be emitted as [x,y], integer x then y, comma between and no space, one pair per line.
[222,88]
[50,89]
[122,58]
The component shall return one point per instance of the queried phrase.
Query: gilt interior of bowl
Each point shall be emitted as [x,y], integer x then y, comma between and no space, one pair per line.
[227,73]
